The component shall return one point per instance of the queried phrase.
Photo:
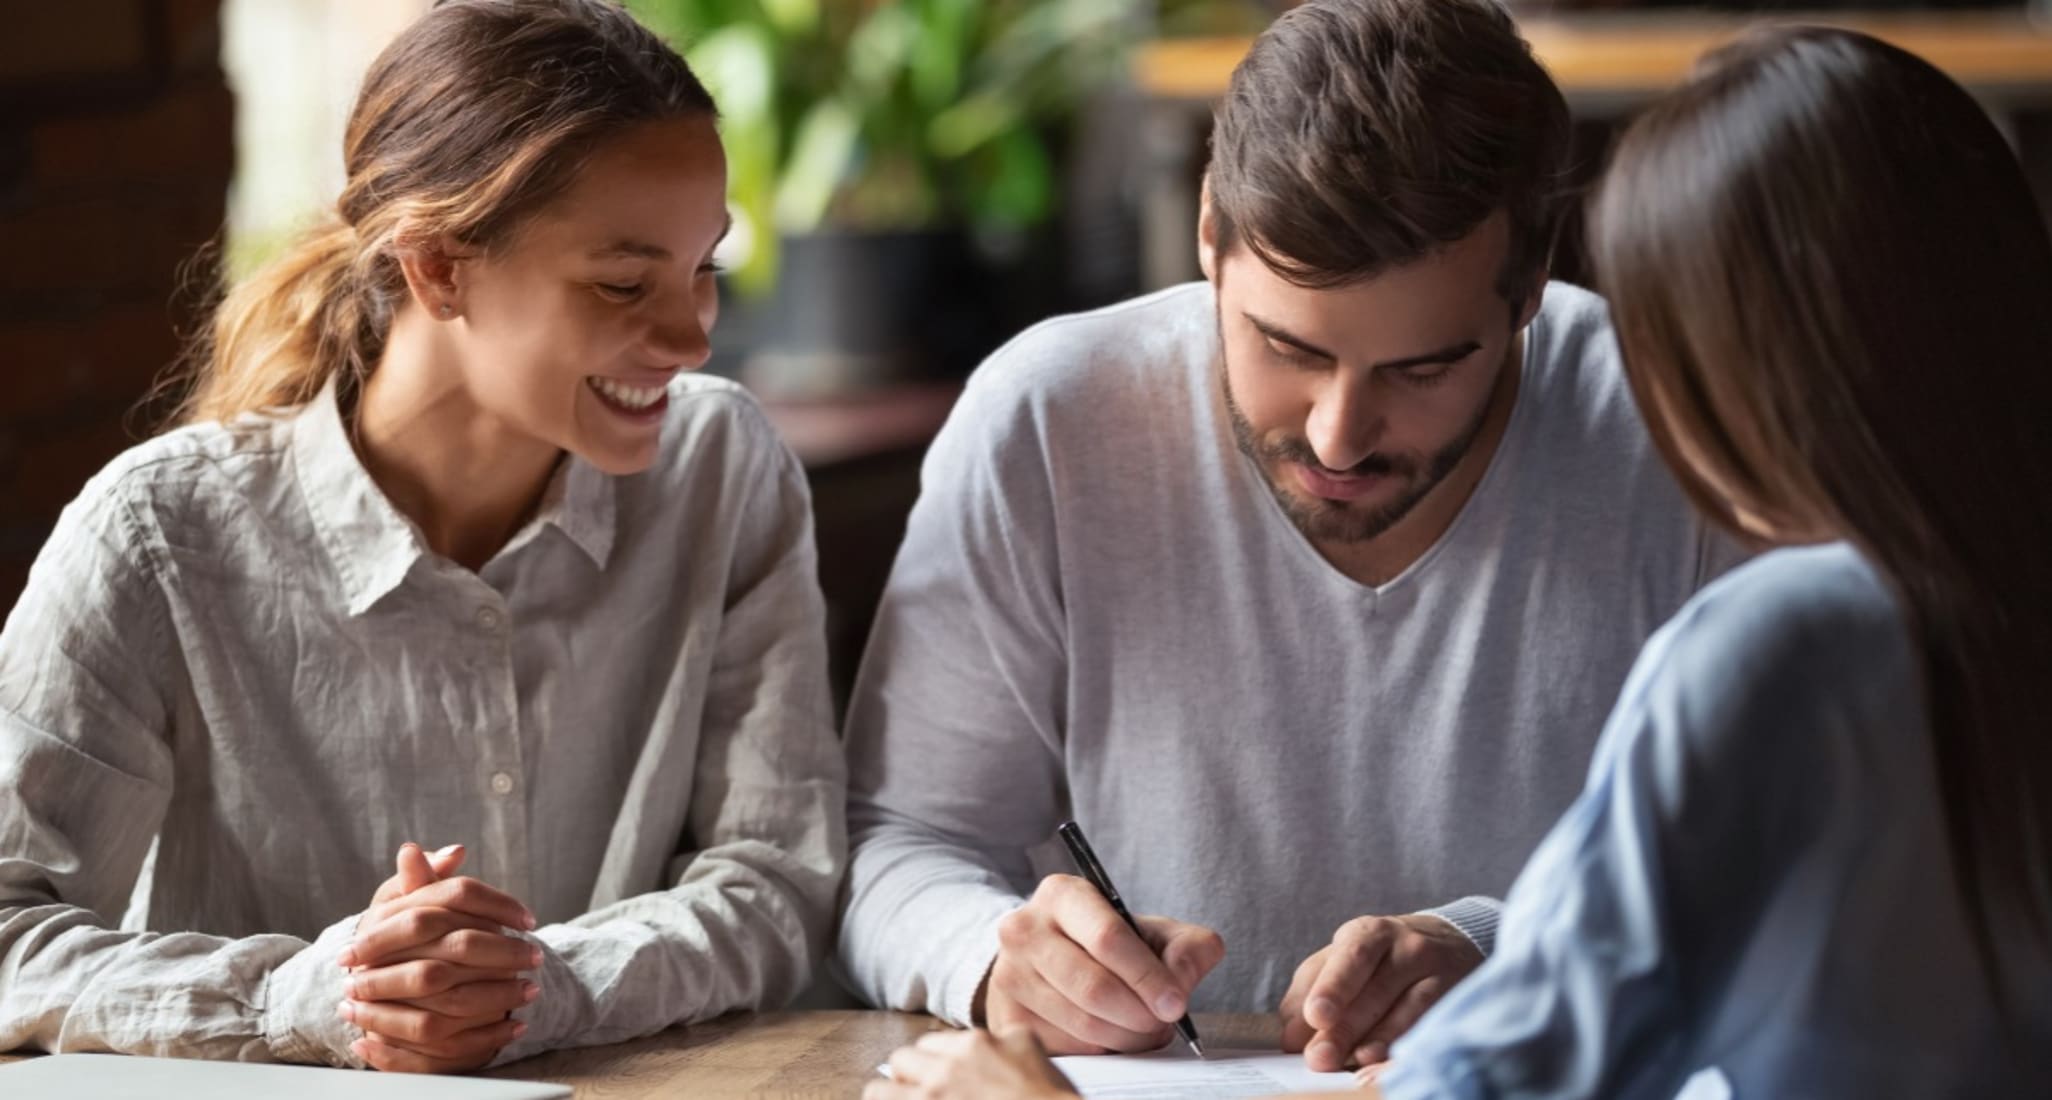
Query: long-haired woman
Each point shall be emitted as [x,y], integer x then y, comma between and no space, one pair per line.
[1814,856]
[449,548]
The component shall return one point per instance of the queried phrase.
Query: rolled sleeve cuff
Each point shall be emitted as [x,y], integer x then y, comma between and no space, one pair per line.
[957,1001]
[553,1019]
[1474,917]
[299,1002]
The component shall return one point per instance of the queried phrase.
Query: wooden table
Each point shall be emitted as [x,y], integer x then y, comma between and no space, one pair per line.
[1607,65]
[774,1056]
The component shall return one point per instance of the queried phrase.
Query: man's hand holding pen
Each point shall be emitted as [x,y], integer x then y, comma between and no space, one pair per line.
[1070,971]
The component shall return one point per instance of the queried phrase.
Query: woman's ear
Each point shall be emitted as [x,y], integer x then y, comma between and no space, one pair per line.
[1535,294]
[1207,233]
[433,266]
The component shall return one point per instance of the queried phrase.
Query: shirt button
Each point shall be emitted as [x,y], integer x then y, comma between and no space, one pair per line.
[502,783]
[489,618]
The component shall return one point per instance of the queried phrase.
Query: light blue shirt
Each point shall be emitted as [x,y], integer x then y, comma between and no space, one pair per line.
[1753,896]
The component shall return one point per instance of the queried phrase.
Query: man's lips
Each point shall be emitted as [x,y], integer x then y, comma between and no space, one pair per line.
[1320,483]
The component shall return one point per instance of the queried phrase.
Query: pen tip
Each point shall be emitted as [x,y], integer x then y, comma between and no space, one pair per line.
[1198,1047]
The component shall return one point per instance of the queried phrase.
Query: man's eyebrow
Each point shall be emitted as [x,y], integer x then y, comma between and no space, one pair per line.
[1452,353]
[1282,335]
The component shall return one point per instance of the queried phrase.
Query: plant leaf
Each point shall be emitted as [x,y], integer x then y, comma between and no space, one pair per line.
[1015,181]
[821,152]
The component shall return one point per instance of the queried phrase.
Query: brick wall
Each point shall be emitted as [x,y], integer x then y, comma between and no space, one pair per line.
[116,148]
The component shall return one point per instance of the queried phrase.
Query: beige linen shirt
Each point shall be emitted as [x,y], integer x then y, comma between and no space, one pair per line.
[238,680]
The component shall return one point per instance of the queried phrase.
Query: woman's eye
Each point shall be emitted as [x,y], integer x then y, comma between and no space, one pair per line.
[620,292]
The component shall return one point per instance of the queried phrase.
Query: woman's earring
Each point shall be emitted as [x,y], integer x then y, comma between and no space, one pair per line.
[448,310]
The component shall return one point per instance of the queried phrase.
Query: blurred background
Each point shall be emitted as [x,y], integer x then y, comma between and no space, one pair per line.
[913,182]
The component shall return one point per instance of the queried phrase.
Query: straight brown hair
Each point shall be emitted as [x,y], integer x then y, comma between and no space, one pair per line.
[1831,282]
[474,118]
[1360,135]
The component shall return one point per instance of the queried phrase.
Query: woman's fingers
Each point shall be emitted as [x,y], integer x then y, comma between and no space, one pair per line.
[414,870]
[464,895]
[412,980]
[378,941]
[480,1000]
[470,1050]
[425,1032]
[470,947]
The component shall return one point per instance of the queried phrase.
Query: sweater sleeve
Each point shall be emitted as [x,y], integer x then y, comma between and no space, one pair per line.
[955,730]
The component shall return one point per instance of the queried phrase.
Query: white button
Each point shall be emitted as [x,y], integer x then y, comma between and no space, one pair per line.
[489,618]
[502,783]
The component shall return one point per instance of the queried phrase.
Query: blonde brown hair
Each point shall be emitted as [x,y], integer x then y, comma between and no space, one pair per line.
[473,119]
[1829,280]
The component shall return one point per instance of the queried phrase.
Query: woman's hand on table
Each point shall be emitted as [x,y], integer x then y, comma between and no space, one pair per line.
[972,1065]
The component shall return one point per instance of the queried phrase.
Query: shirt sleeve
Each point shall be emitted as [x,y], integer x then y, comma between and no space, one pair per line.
[1631,900]
[1475,917]
[86,710]
[749,916]
[956,726]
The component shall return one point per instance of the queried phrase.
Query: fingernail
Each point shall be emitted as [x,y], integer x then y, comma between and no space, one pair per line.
[446,850]
[1373,1054]
[1169,1005]
[1324,1050]
[534,957]
[347,1010]
[527,920]
[347,959]
[529,991]
[519,1029]
[349,987]
[358,1047]
[1322,1008]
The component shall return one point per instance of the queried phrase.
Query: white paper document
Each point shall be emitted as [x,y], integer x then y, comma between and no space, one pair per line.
[1176,1074]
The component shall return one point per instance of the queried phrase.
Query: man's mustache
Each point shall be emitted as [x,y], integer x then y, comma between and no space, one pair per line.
[1375,465]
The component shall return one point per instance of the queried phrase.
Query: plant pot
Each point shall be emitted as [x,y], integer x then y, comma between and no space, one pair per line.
[855,311]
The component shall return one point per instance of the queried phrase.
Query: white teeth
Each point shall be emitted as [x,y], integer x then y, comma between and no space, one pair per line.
[624,395]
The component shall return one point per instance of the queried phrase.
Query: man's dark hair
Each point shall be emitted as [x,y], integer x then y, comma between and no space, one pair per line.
[1359,135]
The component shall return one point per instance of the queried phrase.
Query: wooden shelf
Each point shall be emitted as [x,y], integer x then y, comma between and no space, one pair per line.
[1641,54]
[827,431]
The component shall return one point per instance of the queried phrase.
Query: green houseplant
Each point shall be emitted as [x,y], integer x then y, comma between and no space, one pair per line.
[889,160]
[892,115]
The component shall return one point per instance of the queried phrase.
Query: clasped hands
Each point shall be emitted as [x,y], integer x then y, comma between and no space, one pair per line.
[436,969]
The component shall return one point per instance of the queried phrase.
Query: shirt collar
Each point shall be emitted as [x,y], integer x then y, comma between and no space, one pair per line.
[579,503]
[371,545]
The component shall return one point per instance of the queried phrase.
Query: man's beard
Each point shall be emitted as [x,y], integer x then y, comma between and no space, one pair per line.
[1325,521]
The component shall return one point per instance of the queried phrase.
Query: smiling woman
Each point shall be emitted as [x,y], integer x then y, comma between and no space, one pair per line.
[448,548]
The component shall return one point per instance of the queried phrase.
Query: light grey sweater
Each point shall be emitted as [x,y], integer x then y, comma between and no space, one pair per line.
[1099,609]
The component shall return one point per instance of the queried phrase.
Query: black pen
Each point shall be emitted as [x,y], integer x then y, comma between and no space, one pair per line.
[1086,861]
